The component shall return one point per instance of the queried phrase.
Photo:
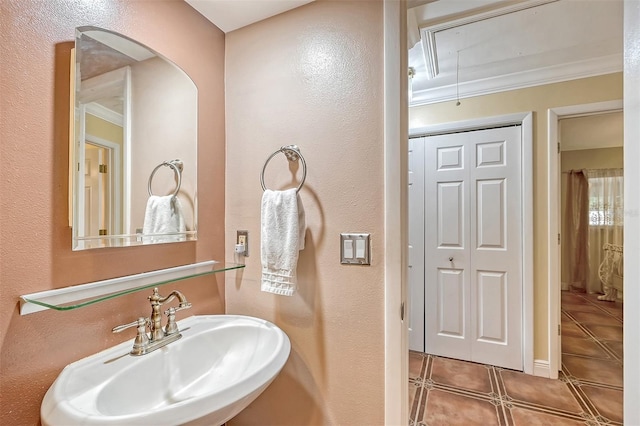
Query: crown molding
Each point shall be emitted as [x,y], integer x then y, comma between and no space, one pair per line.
[535,77]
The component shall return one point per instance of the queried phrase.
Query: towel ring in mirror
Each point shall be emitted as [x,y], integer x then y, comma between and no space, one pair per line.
[177,167]
[292,152]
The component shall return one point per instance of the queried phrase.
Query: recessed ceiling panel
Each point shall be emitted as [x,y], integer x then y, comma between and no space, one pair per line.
[540,40]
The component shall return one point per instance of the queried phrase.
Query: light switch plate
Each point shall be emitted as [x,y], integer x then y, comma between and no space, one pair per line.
[355,249]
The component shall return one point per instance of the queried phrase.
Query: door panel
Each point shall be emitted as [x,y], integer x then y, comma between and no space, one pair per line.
[490,154]
[491,213]
[450,204]
[450,158]
[451,316]
[448,323]
[492,298]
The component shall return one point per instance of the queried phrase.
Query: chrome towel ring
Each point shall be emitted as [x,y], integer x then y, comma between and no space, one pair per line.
[292,152]
[177,167]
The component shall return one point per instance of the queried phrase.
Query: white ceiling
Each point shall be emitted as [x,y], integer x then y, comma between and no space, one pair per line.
[483,46]
[463,48]
[229,15]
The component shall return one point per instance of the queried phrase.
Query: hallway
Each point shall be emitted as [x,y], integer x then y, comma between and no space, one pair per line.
[444,391]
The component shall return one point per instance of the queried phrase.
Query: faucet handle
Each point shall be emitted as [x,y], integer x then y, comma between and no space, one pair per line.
[140,322]
[172,311]
[142,340]
[172,327]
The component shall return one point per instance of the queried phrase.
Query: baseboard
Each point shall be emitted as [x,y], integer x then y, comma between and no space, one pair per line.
[564,286]
[541,368]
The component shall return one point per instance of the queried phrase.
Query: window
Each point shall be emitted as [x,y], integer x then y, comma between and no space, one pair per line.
[606,205]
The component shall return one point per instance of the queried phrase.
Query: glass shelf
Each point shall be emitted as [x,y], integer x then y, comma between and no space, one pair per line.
[78,296]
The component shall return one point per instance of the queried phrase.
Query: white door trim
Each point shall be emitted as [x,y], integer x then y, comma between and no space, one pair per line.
[553,217]
[396,113]
[415,236]
[632,209]
[525,120]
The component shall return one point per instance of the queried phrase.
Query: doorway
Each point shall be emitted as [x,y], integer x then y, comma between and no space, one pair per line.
[590,254]
[555,115]
[99,177]
[468,206]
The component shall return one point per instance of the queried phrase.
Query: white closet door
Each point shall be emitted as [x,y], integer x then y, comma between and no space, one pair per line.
[473,246]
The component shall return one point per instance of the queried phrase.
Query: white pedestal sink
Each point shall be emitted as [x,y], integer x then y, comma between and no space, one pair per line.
[219,366]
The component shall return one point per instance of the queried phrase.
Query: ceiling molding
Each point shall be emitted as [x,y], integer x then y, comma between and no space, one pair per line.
[429,31]
[534,77]
[416,3]
[430,53]
[104,113]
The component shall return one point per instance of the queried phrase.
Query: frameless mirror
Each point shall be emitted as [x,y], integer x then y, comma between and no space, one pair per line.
[134,145]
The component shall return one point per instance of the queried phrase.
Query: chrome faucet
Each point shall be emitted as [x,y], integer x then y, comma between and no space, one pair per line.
[157,337]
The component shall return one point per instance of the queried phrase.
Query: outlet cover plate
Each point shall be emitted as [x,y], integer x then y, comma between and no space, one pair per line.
[243,236]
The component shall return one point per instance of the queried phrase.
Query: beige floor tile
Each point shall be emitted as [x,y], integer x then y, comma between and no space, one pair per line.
[525,417]
[540,391]
[445,408]
[615,347]
[583,346]
[588,318]
[606,332]
[416,361]
[570,328]
[594,370]
[461,374]
[608,402]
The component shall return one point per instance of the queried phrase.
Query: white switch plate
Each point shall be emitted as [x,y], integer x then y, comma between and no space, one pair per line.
[355,249]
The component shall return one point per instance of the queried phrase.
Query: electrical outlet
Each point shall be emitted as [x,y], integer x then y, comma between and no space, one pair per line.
[242,237]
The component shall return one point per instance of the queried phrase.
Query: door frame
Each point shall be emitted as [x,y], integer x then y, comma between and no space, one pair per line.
[525,120]
[396,119]
[554,115]
[416,246]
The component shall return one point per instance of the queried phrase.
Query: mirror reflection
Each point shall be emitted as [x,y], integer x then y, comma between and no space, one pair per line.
[134,146]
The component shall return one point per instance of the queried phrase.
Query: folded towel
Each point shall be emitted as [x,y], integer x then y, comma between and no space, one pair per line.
[163,216]
[283,227]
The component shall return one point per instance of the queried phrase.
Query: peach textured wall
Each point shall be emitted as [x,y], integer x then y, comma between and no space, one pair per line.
[313,77]
[536,99]
[35,249]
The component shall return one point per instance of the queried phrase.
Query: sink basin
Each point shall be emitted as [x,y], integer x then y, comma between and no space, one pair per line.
[218,367]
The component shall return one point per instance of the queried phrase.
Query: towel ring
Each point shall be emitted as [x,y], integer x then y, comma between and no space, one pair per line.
[292,152]
[177,167]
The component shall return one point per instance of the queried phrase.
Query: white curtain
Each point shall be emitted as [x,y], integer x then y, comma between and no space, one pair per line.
[606,212]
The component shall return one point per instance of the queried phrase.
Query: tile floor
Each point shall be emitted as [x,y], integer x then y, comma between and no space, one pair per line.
[444,391]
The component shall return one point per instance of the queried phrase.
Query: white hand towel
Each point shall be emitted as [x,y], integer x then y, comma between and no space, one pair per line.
[163,216]
[282,236]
